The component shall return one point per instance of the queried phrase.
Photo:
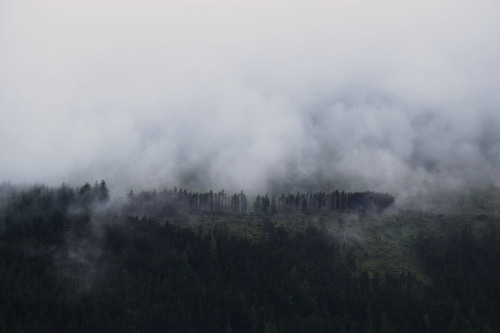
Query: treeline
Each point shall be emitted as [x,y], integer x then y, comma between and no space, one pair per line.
[359,202]
[43,196]
[40,209]
[173,201]
[177,201]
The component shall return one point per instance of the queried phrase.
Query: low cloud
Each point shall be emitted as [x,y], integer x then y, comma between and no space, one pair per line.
[377,96]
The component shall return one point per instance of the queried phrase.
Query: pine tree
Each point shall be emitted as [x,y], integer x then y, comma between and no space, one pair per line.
[103,191]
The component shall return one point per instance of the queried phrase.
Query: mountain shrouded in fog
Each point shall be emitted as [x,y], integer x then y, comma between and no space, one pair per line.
[379,95]
[291,166]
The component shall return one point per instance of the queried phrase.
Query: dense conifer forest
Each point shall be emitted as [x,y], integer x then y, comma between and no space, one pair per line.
[72,260]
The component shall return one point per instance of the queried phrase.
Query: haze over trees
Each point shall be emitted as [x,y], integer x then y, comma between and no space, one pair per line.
[73,261]
[179,201]
[308,106]
[357,202]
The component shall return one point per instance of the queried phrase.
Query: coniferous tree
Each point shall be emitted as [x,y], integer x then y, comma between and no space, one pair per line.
[103,191]
[274,206]
[257,205]
[266,204]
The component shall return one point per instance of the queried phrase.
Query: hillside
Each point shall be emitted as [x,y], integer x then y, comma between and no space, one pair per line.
[72,260]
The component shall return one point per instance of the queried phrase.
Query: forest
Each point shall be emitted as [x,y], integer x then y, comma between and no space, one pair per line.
[176,201]
[71,260]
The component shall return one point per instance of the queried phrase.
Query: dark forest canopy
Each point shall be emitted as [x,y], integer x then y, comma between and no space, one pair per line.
[67,265]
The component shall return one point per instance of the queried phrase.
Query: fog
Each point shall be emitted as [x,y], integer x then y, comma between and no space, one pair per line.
[255,95]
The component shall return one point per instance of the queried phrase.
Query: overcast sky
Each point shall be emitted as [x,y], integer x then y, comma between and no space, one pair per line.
[369,95]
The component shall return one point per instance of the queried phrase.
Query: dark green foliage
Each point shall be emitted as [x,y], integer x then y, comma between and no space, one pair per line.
[465,271]
[65,268]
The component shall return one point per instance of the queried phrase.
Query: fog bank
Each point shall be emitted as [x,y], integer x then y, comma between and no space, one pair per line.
[382,96]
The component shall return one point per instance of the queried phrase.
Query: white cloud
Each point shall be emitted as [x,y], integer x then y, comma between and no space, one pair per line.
[232,94]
